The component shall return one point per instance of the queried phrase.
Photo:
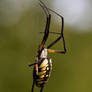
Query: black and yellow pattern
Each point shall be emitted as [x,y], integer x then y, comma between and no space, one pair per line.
[44,70]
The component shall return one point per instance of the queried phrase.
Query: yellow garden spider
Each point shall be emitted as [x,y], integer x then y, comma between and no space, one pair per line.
[43,65]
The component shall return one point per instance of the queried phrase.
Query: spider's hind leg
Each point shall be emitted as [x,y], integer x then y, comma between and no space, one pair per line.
[32,90]
[41,88]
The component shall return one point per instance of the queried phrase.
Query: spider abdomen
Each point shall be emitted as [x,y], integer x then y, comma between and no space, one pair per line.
[44,70]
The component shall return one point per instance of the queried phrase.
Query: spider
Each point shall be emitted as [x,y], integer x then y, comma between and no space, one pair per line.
[43,65]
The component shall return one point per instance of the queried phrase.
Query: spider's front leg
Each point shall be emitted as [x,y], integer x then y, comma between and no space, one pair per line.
[56,51]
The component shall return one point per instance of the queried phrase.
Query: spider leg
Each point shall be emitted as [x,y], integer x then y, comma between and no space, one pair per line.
[61,36]
[32,90]
[41,88]
[55,51]
[49,46]
[48,18]
[52,33]
[32,64]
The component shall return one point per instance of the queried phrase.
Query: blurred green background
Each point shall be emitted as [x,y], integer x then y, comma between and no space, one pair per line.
[20,24]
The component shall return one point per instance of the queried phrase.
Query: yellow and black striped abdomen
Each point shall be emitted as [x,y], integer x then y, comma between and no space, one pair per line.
[44,70]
